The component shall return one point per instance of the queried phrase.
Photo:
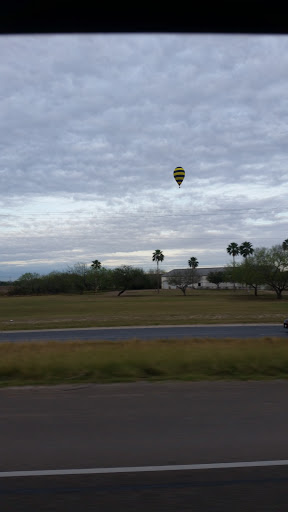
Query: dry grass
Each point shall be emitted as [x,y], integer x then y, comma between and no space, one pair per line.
[75,362]
[140,308]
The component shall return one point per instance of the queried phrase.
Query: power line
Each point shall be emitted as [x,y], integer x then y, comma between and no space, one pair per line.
[37,237]
[130,213]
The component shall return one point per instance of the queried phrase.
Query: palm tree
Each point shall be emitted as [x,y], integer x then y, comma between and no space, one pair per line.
[193,264]
[285,245]
[96,265]
[233,249]
[158,256]
[246,249]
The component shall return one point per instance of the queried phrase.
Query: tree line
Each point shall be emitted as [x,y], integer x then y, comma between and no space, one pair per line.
[259,266]
[81,278]
[263,266]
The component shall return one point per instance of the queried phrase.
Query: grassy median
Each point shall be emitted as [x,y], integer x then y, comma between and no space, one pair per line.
[48,363]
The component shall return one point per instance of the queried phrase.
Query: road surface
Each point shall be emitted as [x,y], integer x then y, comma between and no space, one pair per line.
[148,333]
[145,425]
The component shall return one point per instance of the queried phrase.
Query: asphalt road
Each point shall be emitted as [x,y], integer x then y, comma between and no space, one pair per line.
[214,491]
[140,425]
[148,333]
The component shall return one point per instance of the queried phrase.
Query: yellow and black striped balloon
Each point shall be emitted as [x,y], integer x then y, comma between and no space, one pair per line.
[179,175]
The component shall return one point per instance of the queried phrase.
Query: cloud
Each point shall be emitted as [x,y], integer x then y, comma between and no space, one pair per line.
[92,127]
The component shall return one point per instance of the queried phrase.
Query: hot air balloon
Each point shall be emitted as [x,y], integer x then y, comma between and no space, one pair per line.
[179,175]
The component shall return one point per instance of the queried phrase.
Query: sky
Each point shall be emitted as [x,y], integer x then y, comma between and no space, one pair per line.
[92,127]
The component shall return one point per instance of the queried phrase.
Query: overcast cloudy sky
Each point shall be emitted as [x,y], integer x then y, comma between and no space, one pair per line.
[92,127]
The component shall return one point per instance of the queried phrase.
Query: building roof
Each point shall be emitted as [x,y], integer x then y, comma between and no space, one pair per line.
[203,271]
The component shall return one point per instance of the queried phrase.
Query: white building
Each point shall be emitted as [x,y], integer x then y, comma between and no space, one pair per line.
[200,278]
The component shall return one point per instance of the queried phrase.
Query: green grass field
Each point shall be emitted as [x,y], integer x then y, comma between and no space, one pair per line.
[54,363]
[141,308]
